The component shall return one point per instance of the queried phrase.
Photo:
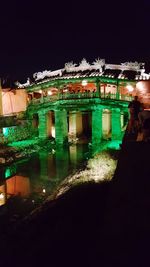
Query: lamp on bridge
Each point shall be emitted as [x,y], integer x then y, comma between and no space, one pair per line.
[49,92]
[84,83]
[130,88]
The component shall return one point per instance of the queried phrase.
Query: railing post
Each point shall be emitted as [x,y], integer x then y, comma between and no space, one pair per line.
[118,91]
[98,87]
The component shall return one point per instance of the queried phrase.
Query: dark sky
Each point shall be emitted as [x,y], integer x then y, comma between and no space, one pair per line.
[44,35]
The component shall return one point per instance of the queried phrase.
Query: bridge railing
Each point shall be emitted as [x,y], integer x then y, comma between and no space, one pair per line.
[78,95]
[95,95]
[44,99]
[85,95]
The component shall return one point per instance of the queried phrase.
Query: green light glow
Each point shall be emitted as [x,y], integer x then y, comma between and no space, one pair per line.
[114,144]
[23,143]
[7,173]
[10,171]
[5,131]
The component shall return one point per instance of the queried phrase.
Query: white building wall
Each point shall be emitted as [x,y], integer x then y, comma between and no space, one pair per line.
[14,102]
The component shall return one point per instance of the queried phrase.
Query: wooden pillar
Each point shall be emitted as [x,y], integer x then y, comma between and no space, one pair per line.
[61,127]
[98,86]
[116,124]
[104,90]
[118,91]
[96,126]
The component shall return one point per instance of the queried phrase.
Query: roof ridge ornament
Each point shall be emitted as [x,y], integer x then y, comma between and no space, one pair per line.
[41,75]
[98,63]
[135,65]
[70,66]
[46,73]
[84,65]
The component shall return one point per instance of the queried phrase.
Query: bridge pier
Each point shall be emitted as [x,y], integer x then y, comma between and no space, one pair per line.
[61,127]
[42,125]
[96,126]
[116,124]
[45,124]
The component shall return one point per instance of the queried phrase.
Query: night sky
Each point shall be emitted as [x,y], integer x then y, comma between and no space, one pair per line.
[36,36]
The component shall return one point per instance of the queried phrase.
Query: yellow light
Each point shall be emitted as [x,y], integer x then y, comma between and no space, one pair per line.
[140,86]
[84,82]
[40,91]
[44,191]
[1,196]
[53,131]
[49,92]
[130,88]
[2,199]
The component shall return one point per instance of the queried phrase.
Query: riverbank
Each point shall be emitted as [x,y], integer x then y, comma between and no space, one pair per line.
[24,149]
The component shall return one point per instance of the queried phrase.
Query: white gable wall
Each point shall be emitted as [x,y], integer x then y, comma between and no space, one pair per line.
[14,102]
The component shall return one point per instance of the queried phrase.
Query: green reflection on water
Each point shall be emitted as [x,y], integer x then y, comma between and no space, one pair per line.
[43,173]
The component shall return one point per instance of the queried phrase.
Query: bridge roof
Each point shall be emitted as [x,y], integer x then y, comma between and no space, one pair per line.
[125,71]
[107,73]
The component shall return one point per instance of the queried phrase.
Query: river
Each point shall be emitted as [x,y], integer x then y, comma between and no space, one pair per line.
[25,184]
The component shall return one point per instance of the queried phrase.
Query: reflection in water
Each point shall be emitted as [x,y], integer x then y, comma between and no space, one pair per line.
[38,177]
[62,163]
[18,185]
[31,181]
[14,186]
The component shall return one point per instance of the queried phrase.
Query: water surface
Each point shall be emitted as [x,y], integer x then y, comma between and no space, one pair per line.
[25,184]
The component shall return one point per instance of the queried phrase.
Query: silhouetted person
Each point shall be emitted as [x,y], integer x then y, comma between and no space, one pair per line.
[135,107]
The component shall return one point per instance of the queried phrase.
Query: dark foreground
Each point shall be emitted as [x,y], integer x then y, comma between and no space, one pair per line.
[104,224]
